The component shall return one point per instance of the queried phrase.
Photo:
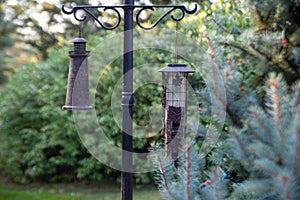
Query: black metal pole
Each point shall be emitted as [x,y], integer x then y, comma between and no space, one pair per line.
[127,102]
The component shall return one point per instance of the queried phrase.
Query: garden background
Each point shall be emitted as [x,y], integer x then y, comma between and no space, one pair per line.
[255,45]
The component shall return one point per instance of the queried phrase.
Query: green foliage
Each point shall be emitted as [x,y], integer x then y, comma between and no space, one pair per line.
[5,41]
[259,35]
[36,31]
[33,146]
[40,141]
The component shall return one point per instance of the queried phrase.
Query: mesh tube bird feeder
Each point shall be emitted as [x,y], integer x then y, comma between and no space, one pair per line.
[174,102]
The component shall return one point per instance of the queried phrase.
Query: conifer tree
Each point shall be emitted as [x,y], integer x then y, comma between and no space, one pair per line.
[268,145]
[264,147]
[257,155]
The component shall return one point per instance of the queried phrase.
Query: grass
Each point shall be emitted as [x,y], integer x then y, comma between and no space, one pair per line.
[72,192]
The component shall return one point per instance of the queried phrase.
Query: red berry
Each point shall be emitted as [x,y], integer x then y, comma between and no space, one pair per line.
[284,41]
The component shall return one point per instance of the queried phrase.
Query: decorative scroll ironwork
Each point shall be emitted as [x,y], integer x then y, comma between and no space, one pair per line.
[183,10]
[87,10]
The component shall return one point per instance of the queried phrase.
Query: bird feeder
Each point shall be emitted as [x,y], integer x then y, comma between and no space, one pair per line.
[174,102]
[77,97]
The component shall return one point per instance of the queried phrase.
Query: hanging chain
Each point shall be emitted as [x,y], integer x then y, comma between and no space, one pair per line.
[176,43]
[80,29]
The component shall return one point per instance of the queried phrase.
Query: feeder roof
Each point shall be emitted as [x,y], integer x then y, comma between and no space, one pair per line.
[177,68]
[79,40]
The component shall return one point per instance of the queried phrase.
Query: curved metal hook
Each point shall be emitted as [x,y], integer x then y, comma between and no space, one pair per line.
[75,9]
[65,11]
[183,10]
[155,23]
[191,11]
[182,14]
[100,23]
[81,19]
